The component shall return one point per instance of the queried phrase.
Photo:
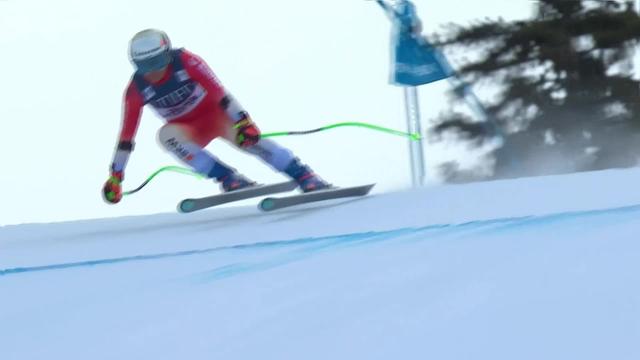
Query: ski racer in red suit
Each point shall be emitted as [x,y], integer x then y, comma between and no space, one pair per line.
[183,90]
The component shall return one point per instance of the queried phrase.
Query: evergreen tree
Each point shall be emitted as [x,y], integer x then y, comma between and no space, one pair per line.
[567,98]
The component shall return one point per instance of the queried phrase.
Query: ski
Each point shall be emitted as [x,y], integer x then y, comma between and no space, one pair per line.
[191,205]
[275,203]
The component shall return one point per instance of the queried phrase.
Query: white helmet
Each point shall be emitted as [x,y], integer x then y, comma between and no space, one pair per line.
[150,50]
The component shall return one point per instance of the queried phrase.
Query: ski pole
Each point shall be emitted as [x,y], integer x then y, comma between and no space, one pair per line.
[412,136]
[175,169]
[185,171]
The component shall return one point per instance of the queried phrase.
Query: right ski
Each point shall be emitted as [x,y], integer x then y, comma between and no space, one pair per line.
[275,203]
[191,205]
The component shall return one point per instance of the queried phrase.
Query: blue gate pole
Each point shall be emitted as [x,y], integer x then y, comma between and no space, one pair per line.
[416,151]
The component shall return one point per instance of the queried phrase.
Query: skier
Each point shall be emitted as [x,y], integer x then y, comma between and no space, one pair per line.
[183,90]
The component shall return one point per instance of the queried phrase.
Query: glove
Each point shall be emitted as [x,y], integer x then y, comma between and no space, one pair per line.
[248,133]
[112,190]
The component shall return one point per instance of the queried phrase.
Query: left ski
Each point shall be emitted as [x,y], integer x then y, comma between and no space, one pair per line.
[275,203]
[191,205]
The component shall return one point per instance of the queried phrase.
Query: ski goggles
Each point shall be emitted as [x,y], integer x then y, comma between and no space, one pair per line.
[152,64]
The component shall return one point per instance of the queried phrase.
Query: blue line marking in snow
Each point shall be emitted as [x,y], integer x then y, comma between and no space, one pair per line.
[89,263]
[330,242]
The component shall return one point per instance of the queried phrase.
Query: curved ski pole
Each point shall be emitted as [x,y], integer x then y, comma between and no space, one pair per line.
[185,171]
[412,136]
[176,169]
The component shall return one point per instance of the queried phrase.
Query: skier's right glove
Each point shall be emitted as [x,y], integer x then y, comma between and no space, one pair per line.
[112,190]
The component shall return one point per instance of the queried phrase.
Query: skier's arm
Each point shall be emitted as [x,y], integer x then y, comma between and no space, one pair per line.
[132,110]
[247,133]
[133,103]
[201,72]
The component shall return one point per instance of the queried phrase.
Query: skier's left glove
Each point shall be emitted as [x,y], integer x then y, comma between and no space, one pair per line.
[112,190]
[248,133]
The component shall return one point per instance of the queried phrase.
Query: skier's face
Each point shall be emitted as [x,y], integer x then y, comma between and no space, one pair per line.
[155,76]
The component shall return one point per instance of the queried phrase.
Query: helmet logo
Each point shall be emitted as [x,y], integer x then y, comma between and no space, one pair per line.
[150,50]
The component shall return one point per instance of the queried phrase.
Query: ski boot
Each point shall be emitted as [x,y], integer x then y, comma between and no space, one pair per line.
[234,181]
[229,178]
[305,177]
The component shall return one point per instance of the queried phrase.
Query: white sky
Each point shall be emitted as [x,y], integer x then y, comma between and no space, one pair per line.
[294,65]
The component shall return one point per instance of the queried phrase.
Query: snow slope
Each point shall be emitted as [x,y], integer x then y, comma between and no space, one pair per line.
[541,268]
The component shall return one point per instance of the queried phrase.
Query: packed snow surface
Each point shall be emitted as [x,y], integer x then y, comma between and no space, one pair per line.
[540,268]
